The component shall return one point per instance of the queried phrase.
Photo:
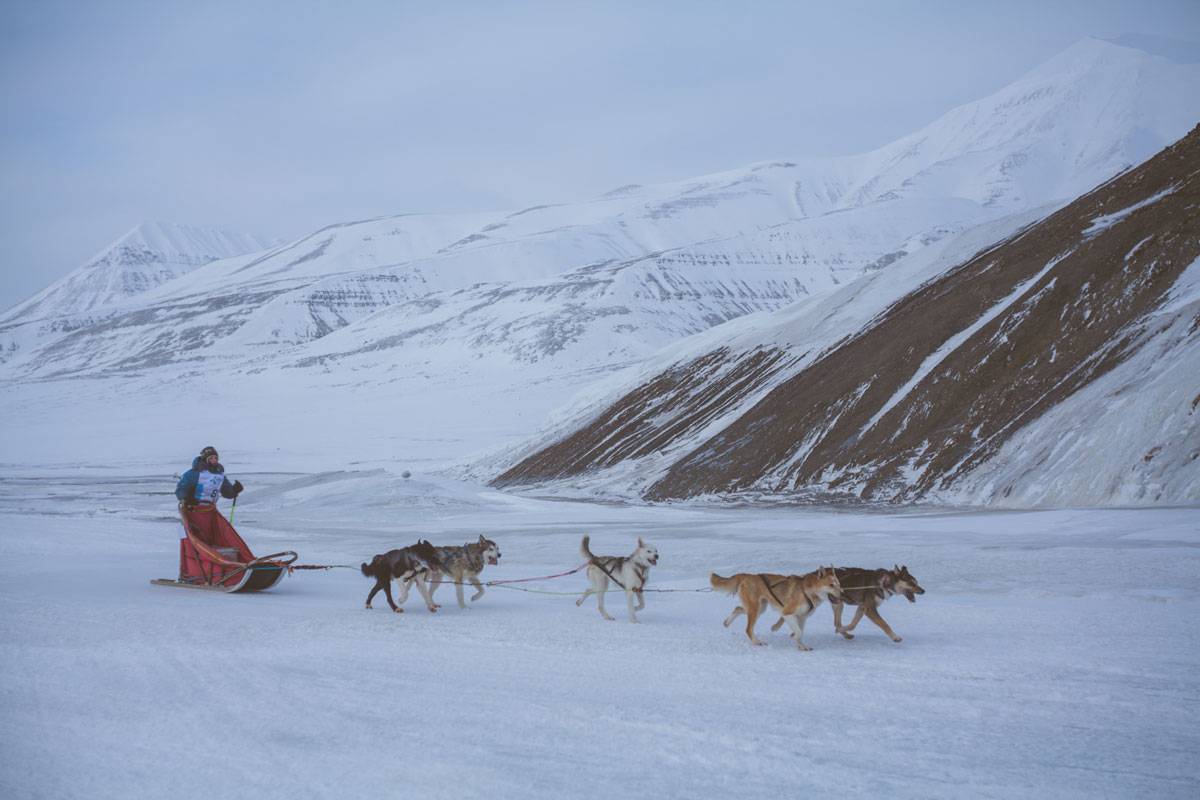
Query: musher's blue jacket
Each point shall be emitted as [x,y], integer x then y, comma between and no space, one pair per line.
[201,477]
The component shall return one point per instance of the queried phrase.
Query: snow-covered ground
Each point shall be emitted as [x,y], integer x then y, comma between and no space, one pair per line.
[1055,653]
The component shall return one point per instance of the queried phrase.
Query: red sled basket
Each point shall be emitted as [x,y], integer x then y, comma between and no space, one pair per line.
[214,557]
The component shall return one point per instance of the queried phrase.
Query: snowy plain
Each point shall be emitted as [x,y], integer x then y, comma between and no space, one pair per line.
[1054,653]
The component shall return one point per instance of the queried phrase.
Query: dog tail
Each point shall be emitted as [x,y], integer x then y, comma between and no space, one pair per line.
[727,585]
[369,569]
[585,550]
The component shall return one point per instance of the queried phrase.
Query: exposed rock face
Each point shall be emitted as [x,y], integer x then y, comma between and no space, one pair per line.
[936,385]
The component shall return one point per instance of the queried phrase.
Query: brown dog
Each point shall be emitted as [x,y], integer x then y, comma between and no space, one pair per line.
[867,589]
[406,564]
[794,596]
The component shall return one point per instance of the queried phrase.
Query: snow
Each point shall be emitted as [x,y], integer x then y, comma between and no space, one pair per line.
[1106,221]
[807,329]
[1132,436]
[954,342]
[148,256]
[442,340]
[1053,654]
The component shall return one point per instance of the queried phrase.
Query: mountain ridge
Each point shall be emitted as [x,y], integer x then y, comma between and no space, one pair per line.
[391,317]
[930,389]
[148,255]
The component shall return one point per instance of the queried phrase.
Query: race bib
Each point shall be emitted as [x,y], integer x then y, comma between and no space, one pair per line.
[208,486]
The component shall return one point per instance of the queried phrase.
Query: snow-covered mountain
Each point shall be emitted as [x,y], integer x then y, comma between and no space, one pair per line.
[150,255]
[392,317]
[1060,365]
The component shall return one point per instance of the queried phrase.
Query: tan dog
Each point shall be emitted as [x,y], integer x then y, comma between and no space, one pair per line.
[794,596]
[867,589]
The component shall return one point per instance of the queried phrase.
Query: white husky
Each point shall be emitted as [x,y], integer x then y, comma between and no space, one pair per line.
[629,572]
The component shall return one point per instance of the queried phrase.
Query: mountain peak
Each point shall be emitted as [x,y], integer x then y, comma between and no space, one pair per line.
[1086,114]
[185,243]
[148,255]
[1178,51]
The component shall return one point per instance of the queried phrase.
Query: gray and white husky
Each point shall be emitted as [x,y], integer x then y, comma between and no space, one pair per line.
[464,564]
[629,572]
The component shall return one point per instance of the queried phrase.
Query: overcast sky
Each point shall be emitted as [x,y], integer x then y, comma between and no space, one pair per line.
[277,118]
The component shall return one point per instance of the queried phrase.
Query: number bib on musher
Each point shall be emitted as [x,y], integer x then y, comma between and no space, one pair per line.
[208,486]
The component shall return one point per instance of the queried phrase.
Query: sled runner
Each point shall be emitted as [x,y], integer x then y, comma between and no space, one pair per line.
[215,558]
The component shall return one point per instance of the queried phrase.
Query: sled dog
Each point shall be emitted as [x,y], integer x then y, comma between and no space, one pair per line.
[464,564]
[404,564]
[794,596]
[867,589]
[629,572]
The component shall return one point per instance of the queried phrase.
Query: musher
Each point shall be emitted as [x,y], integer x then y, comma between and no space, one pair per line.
[205,481]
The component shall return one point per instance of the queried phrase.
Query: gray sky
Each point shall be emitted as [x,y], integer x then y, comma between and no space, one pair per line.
[277,118]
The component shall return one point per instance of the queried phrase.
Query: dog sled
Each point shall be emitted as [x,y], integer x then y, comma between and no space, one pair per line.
[215,558]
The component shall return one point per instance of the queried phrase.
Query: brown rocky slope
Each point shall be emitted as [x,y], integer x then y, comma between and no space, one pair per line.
[934,386]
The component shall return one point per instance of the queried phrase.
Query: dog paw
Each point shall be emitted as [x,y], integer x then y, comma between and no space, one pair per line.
[897,639]
[847,635]
[398,610]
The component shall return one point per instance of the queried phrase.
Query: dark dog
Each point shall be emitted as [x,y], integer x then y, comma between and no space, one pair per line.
[867,589]
[405,564]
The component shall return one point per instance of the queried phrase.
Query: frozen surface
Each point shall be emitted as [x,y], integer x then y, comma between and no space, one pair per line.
[1054,654]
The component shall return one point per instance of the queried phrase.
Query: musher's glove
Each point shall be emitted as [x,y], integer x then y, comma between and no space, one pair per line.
[237,488]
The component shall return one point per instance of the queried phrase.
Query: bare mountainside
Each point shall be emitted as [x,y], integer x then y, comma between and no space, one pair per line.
[923,399]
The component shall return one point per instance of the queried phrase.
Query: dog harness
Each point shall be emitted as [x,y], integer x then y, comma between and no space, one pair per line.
[771,589]
[637,570]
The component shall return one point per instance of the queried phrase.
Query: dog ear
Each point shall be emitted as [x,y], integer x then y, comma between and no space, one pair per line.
[640,542]
[482,540]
